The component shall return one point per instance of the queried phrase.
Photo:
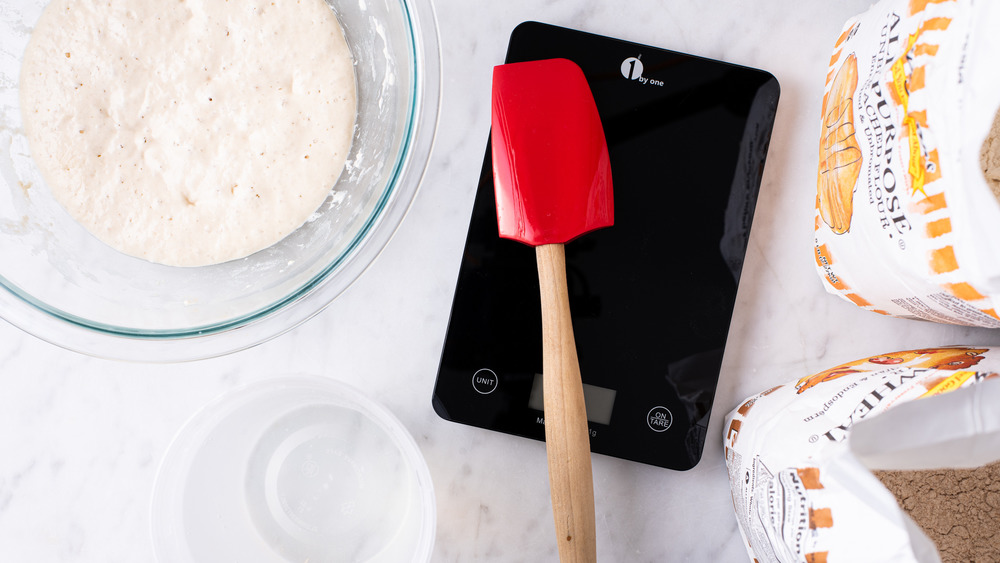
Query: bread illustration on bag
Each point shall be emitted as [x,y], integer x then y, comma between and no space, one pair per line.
[839,152]
[951,358]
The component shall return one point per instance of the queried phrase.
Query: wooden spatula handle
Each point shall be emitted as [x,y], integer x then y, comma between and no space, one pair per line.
[567,438]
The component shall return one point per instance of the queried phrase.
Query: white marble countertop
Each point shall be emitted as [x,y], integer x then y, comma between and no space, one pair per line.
[81,438]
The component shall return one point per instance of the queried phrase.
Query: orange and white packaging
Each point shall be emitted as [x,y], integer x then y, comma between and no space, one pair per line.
[906,223]
[800,456]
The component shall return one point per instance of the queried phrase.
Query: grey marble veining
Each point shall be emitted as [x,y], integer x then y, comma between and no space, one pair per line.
[81,438]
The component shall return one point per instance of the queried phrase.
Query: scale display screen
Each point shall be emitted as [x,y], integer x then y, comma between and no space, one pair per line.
[653,295]
[598,401]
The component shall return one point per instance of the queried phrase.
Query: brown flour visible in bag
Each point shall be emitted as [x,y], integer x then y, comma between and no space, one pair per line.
[989,157]
[958,509]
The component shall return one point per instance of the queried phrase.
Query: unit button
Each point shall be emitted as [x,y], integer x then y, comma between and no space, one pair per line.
[659,419]
[484,381]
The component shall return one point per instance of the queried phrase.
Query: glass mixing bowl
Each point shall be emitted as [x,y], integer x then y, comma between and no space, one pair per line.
[63,285]
[294,468]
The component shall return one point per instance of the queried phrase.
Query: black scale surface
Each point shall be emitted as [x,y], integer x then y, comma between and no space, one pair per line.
[652,296]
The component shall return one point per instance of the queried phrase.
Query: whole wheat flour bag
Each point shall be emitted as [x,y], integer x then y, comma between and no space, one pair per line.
[807,461]
[906,221]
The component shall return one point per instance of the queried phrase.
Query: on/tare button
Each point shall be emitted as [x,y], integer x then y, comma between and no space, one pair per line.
[659,419]
[485,381]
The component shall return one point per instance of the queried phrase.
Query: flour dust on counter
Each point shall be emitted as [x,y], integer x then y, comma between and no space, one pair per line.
[191,133]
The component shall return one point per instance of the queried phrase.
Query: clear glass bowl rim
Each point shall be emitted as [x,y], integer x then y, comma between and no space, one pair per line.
[173,464]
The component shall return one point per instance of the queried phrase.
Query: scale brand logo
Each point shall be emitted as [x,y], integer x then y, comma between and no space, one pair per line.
[632,70]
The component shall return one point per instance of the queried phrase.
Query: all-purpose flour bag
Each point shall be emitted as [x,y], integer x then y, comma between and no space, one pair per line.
[802,456]
[906,221]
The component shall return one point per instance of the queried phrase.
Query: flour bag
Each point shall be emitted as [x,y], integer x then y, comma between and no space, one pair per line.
[802,457]
[907,219]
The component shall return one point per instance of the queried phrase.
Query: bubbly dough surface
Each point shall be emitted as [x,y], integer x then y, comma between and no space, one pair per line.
[189,132]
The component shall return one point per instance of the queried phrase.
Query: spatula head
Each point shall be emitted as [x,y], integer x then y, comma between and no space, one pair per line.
[551,171]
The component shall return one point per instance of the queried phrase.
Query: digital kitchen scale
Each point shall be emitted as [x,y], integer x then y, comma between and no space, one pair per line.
[652,296]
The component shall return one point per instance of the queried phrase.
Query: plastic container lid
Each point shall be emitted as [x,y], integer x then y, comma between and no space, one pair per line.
[299,468]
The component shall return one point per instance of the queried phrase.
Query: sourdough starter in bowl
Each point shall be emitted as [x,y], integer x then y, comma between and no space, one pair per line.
[189,132]
[64,285]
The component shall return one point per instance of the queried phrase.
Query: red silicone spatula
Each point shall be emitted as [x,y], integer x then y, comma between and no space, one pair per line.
[552,179]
